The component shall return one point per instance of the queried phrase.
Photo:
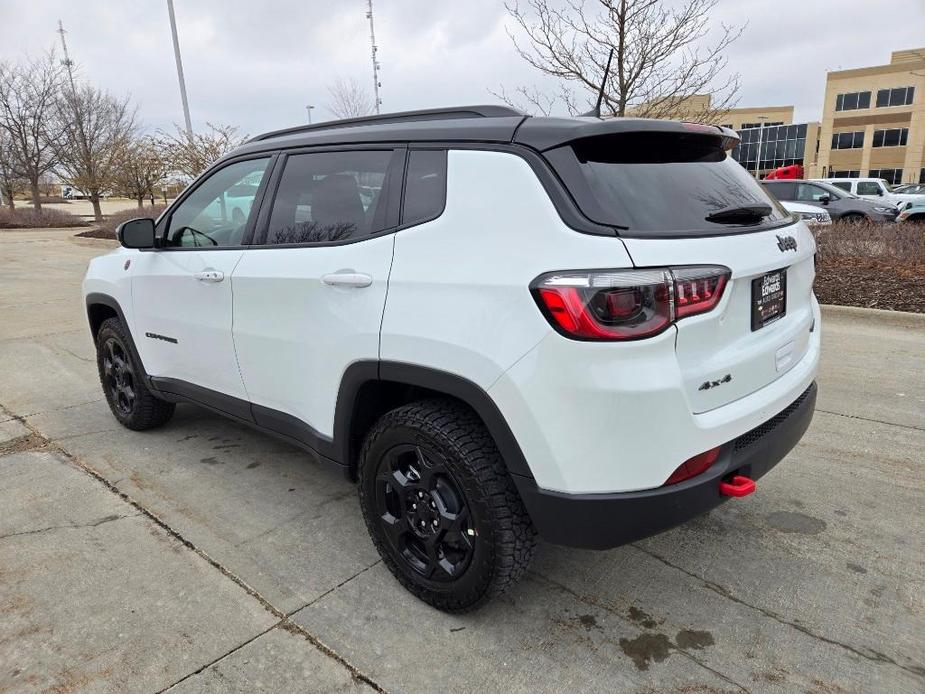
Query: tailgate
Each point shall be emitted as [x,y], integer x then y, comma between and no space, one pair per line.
[723,356]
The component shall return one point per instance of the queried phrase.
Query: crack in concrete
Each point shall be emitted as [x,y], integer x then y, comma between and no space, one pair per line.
[95,524]
[868,653]
[220,658]
[875,421]
[284,621]
[331,590]
[587,600]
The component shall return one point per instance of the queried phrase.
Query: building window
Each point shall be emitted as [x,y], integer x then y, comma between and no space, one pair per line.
[770,147]
[766,124]
[892,137]
[727,125]
[899,96]
[922,176]
[852,173]
[850,140]
[891,176]
[852,101]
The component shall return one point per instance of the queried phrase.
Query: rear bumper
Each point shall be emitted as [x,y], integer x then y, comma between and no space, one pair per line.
[602,521]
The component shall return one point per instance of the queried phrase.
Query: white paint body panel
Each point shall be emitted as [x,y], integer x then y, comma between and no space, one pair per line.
[168,300]
[296,335]
[459,296]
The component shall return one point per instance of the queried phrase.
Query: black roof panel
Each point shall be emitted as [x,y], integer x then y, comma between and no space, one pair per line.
[491,124]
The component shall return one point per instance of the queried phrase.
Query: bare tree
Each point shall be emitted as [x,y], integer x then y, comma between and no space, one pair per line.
[349,99]
[10,183]
[662,57]
[29,92]
[95,130]
[190,155]
[142,167]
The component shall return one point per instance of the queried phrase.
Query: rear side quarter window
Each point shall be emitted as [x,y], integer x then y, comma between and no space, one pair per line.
[425,186]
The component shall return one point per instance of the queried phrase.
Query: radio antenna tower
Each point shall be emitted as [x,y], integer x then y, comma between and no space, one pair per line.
[372,41]
[67,62]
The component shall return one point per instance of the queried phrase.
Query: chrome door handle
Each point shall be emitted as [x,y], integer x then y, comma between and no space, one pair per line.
[209,276]
[347,278]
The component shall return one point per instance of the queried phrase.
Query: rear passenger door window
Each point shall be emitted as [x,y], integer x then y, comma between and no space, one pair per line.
[331,197]
[425,186]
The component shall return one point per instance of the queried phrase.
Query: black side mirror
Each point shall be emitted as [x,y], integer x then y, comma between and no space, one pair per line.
[136,233]
[825,199]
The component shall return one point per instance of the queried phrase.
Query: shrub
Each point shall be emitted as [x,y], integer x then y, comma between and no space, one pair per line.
[108,228]
[28,218]
[877,244]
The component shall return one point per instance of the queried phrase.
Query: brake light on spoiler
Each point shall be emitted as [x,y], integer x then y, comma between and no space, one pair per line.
[614,305]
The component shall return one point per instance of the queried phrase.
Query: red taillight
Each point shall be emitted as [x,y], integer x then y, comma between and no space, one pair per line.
[627,304]
[693,466]
[697,290]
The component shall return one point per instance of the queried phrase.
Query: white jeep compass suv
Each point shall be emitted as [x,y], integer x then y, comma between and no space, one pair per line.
[500,326]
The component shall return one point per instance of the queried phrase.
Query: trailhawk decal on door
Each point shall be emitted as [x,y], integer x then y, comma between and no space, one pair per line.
[155,336]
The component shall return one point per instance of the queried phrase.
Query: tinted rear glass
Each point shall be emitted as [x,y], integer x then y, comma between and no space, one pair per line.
[653,184]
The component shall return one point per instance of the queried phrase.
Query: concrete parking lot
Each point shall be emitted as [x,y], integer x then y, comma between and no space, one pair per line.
[206,557]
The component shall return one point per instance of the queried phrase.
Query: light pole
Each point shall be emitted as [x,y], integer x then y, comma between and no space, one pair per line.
[308,110]
[176,52]
[760,140]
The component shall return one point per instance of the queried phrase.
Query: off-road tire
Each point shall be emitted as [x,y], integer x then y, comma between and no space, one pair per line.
[144,410]
[503,535]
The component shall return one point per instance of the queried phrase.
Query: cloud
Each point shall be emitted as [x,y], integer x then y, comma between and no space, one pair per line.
[257,64]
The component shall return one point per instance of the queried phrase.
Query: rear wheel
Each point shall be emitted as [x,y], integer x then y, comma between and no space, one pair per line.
[440,506]
[123,381]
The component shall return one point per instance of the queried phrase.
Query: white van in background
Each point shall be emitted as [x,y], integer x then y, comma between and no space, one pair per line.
[872,189]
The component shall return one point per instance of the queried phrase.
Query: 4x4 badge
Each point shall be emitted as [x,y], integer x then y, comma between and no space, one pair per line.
[706,385]
[786,243]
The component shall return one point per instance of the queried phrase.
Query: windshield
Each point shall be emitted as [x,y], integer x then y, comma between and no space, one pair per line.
[664,184]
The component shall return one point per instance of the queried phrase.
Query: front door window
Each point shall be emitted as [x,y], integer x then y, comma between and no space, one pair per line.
[217,213]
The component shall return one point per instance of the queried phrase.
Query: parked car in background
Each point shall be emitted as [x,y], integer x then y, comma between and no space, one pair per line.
[914,212]
[911,189]
[875,189]
[811,214]
[839,203]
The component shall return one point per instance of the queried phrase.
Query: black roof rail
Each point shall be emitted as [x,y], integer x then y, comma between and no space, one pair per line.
[480,111]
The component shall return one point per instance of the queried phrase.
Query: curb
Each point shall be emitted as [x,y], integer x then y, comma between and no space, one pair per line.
[901,319]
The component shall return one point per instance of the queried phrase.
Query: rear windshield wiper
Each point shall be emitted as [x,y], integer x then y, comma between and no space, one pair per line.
[740,214]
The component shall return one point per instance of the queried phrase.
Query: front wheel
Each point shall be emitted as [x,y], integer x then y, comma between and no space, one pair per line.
[441,507]
[123,381]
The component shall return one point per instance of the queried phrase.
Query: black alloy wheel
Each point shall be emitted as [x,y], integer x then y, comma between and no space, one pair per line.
[119,375]
[423,513]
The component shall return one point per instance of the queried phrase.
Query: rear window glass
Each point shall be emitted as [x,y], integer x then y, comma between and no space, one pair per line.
[653,184]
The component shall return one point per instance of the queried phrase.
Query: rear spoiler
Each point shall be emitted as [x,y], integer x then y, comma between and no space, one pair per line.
[547,133]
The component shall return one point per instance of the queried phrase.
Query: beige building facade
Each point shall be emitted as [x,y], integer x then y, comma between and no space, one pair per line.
[873,121]
[763,116]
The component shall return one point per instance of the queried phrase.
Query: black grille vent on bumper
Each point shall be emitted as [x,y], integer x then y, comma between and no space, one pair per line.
[750,438]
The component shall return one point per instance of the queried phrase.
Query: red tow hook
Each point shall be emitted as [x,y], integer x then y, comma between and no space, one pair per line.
[738,486]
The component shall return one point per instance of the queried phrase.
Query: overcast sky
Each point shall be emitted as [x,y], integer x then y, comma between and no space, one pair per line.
[256,64]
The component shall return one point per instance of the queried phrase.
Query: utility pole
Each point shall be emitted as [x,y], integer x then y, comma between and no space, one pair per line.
[372,41]
[176,52]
